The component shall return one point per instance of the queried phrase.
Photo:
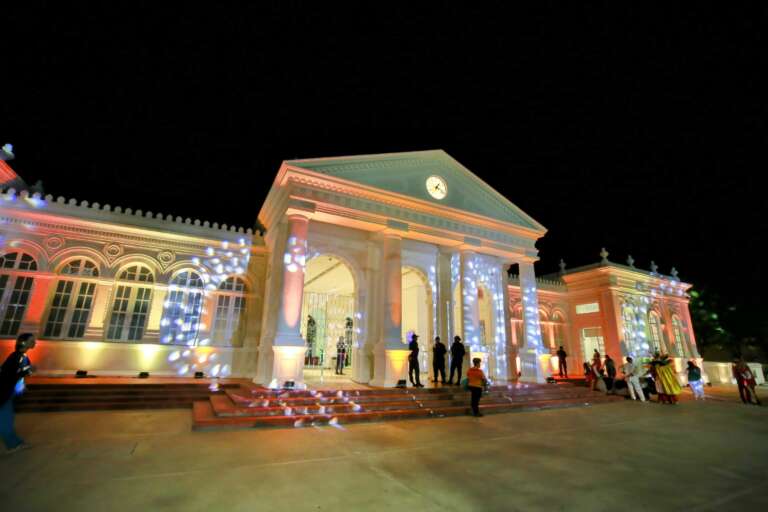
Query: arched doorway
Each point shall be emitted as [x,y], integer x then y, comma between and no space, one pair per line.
[327,317]
[417,314]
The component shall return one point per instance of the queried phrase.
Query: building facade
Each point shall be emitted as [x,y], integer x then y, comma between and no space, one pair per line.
[360,251]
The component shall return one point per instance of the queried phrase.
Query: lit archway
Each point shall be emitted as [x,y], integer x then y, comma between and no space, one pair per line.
[417,313]
[327,315]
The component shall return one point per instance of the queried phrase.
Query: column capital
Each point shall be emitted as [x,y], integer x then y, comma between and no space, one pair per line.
[299,208]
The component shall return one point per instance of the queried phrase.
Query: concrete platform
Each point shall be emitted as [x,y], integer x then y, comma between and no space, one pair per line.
[626,456]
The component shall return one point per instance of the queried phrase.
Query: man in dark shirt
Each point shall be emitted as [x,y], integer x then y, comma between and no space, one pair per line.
[561,362]
[438,359]
[413,361]
[14,369]
[457,359]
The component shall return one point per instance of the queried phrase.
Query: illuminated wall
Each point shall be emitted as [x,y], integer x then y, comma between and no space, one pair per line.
[114,291]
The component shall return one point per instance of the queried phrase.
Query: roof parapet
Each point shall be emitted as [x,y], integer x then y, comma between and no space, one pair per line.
[38,201]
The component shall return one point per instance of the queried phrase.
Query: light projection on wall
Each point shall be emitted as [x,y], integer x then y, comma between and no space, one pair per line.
[487,272]
[186,306]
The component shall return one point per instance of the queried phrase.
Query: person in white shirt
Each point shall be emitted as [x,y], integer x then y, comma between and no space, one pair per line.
[632,374]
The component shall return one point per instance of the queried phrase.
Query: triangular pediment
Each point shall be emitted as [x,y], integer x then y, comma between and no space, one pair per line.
[407,173]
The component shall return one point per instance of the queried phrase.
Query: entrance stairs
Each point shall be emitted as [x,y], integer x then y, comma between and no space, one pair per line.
[254,406]
[57,394]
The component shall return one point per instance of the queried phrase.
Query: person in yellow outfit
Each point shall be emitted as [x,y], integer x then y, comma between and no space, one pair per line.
[476,381]
[667,385]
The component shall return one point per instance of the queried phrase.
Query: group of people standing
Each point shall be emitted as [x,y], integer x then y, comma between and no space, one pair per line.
[475,380]
[438,361]
[658,373]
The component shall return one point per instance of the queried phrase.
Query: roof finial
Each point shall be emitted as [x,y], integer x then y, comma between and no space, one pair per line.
[6,152]
[630,261]
[673,272]
[562,266]
[654,267]
[603,255]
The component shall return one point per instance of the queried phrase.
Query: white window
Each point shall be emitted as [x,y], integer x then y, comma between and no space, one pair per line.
[677,330]
[72,300]
[230,305]
[654,328]
[15,290]
[181,319]
[591,340]
[130,307]
[629,325]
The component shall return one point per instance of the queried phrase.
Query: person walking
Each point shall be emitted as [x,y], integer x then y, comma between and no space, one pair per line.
[610,370]
[694,380]
[631,373]
[341,355]
[476,381]
[14,369]
[438,360]
[413,361]
[457,359]
[562,365]
[746,381]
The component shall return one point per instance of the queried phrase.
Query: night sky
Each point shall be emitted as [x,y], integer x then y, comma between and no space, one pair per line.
[638,128]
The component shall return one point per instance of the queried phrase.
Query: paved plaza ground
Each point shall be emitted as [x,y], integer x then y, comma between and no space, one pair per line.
[614,457]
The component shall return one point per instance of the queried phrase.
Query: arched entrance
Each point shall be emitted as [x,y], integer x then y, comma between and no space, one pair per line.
[327,317]
[417,315]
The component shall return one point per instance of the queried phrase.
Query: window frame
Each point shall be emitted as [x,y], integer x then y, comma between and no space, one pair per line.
[19,282]
[138,305]
[84,281]
[233,312]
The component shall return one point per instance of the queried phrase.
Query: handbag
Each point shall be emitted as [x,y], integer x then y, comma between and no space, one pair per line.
[465,384]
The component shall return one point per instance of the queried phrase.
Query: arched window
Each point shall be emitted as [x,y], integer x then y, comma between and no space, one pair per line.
[230,304]
[72,301]
[654,328]
[15,289]
[628,317]
[558,328]
[181,319]
[677,331]
[130,306]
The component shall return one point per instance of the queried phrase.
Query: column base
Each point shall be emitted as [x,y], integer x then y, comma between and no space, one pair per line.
[288,365]
[362,365]
[534,367]
[391,365]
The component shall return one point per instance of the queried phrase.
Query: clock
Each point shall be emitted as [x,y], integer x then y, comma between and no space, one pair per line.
[436,187]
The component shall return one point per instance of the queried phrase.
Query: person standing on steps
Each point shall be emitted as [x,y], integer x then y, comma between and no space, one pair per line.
[14,369]
[632,376]
[438,360]
[341,355]
[561,362]
[457,359]
[413,361]
[476,381]
[610,370]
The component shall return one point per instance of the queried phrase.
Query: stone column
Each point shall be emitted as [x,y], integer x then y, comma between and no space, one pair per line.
[391,352]
[96,329]
[363,363]
[469,311]
[510,342]
[694,351]
[289,347]
[534,358]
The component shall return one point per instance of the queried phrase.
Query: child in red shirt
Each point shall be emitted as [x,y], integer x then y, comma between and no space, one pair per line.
[476,381]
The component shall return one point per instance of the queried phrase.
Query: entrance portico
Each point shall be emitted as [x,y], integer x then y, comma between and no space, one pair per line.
[381,213]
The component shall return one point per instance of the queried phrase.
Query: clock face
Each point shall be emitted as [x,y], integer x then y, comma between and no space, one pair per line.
[436,187]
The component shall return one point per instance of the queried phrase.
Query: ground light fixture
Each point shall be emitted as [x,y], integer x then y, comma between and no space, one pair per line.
[199,375]
[144,375]
[81,374]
